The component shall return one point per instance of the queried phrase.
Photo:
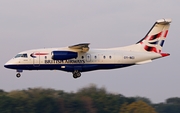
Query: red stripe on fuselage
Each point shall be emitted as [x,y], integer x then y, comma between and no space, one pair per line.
[40,53]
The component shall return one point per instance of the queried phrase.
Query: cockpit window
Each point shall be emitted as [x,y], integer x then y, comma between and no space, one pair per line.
[21,55]
[24,55]
[18,55]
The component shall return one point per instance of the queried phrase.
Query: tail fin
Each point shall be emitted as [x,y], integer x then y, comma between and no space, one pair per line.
[154,39]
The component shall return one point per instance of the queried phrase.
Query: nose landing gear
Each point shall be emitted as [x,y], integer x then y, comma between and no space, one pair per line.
[18,74]
[76,74]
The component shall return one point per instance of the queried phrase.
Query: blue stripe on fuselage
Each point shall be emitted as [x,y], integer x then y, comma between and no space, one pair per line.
[68,67]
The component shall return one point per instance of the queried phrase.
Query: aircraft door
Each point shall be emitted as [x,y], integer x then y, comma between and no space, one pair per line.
[88,57]
[36,59]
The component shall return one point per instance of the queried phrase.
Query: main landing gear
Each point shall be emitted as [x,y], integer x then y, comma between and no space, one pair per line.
[18,75]
[76,74]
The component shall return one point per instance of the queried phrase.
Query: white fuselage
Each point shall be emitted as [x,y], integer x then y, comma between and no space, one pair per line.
[94,59]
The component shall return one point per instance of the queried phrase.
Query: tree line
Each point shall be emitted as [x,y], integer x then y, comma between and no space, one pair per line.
[86,100]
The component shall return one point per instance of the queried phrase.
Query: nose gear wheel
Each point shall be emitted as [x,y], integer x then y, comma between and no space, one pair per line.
[18,75]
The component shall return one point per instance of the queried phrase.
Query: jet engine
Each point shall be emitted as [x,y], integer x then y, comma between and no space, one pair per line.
[63,55]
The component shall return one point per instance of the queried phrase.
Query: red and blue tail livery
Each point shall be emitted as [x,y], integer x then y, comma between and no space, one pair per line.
[80,58]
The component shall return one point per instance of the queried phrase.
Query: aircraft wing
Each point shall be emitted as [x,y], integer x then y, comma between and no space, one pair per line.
[82,47]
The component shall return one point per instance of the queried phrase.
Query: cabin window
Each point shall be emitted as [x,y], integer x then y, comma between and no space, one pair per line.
[104,57]
[82,57]
[110,57]
[95,57]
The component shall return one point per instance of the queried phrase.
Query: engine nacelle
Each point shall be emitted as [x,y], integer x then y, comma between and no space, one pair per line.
[63,55]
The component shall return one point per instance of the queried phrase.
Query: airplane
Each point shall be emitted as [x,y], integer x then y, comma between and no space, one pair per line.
[80,58]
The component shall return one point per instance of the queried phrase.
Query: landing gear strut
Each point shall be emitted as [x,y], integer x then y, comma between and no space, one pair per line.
[76,74]
[18,75]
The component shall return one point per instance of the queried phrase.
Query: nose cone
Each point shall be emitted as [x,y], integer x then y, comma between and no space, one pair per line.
[6,65]
[10,64]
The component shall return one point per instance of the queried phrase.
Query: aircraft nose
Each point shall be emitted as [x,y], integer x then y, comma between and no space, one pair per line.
[11,64]
[6,65]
